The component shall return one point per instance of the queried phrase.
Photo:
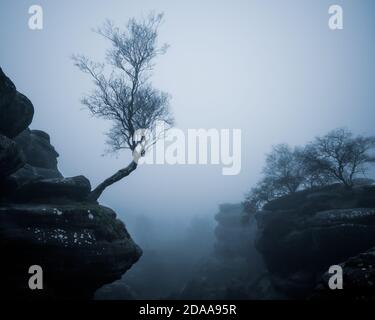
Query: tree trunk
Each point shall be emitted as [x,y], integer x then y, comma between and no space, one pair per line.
[97,192]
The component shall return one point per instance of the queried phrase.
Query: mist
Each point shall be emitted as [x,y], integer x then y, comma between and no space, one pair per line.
[272,69]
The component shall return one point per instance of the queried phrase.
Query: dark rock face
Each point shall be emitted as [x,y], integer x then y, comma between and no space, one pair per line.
[51,190]
[115,291]
[11,157]
[16,111]
[302,235]
[37,149]
[7,90]
[46,219]
[40,157]
[29,174]
[358,280]
[80,247]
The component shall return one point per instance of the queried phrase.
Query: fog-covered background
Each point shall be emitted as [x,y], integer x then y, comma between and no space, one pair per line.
[271,68]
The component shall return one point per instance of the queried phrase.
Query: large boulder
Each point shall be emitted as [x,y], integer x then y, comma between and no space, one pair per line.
[302,235]
[16,110]
[329,197]
[7,90]
[80,247]
[29,173]
[40,159]
[358,279]
[37,149]
[11,157]
[52,190]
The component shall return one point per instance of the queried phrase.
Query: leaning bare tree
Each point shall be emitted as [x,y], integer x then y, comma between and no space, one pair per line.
[123,93]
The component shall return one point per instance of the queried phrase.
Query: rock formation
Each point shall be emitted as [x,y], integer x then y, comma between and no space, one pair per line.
[359,280]
[235,264]
[301,235]
[233,234]
[46,219]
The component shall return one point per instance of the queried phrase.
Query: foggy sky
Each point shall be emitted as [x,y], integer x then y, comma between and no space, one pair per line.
[271,68]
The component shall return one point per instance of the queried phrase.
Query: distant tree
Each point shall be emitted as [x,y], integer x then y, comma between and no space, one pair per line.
[340,156]
[123,94]
[283,169]
[283,174]
[337,156]
[313,174]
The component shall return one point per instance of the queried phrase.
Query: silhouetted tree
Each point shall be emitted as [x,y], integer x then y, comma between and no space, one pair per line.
[263,192]
[337,156]
[283,169]
[340,156]
[283,174]
[313,173]
[124,94]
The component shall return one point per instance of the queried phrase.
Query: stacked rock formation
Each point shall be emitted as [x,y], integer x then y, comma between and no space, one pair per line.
[46,219]
[302,235]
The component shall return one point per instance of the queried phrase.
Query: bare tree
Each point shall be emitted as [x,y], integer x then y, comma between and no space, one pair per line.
[283,174]
[337,156]
[283,169]
[341,156]
[314,176]
[123,93]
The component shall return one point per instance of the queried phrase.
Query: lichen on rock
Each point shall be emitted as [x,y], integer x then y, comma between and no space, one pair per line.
[47,220]
[300,236]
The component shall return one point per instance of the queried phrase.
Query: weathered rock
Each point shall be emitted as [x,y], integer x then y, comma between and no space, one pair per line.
[11,157]
[37,148]
[233,235]
[16,116]
[45,219]
[29,173]
[80,247]
[115,291]
[329,197]
[16,110]
[302,235]
[50,190]
[23,176]
[40,158]
[263,288]
[358,279]
[7,90]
